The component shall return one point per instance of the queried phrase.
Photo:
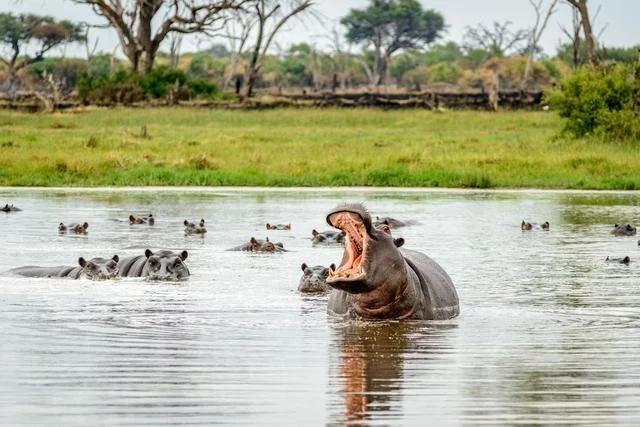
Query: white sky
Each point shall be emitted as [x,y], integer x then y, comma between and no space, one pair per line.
[621,17]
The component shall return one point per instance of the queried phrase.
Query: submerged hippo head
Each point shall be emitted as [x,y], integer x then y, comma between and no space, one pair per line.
[391,222]
[327,237]
[526,226]
[142,219]
[314,279]
[256,245]
[73,228]
[371,255]
[625,260]
[99,268]
[166,265]
[194,228]
[624,230]
[278,226]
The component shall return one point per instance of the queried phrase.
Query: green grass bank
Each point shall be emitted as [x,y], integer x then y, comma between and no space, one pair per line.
[307,147]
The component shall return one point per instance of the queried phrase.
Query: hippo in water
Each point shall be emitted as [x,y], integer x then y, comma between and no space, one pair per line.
[391,222]
[526,226]
[327,237]
[623,230]
[94,269]
[625,260]
[194,227]
[258,245]
[378,280]
[73,228]
[314,279]
[278,226]
[10,208]
[148,219]
[160,265]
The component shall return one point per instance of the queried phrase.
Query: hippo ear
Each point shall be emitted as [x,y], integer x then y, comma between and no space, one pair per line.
[332,267]
[303,266]
[132,218]
[626,259]
[201,221]
[607,259]
[343,233]
[116,258]
[148,253]
[85,225]
[314,233]
[398,242]
[267,239]
[150,215]
[268,226]
[184,255]
[615,225]
[253,241]
[522,223]
[82,262]
[186,222]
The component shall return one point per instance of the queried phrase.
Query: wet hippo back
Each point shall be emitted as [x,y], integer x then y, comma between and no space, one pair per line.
[95,269]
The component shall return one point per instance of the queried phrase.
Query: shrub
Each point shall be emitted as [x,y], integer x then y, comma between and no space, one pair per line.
[604,101]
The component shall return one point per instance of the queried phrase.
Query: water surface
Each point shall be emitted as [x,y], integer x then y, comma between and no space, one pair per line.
[548,333]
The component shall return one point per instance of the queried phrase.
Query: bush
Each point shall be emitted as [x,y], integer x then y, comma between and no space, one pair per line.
[604,101]
[125,87]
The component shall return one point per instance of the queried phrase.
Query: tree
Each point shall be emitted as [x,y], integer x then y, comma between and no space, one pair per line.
[269,18]
[19,32]
[142,25]
[389,26]
[592,46]
[536,33]
[497,40]
[573,35]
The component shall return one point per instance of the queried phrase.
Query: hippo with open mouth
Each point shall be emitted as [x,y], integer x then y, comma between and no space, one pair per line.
[94,269]
[73,228]
[161,265]
[378,280]
[194,227]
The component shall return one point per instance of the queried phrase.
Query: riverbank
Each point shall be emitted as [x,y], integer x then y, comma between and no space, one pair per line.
[308,147]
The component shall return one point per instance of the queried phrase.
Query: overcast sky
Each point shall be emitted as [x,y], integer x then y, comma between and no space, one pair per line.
[621,18]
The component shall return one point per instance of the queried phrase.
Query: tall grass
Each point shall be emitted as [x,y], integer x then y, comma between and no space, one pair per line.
[323,147]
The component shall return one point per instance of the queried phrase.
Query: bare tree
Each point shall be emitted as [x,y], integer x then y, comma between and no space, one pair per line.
[238,31]
[174,49]
[497,40]
[132,20]
[270,17]
[542,19]
[592,46]
[573,34]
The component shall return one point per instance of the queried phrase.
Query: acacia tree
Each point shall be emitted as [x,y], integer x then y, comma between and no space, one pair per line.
[592,48]
[389,26]
[19,32]
[497,40]
[140,40]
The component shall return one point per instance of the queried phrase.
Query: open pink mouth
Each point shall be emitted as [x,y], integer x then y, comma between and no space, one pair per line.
[355,247]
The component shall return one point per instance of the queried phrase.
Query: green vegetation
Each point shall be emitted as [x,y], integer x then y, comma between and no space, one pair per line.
[602,101]
[286,147]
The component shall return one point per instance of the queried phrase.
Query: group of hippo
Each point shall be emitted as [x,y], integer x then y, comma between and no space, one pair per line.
[376,279]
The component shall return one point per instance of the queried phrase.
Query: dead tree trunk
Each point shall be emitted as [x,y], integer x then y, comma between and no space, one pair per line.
[590,39]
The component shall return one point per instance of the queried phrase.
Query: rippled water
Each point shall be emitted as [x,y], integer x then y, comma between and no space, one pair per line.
[549,332]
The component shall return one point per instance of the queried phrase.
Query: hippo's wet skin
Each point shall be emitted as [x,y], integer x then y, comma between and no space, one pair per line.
[73,228]
[623,230]
[314,279]
[377,280]
[161,265]
[148,219]
[391,222]
[278,226]
[9,208]
[327,237]
[94,269]
[526,226]
[258,245]
[194,227]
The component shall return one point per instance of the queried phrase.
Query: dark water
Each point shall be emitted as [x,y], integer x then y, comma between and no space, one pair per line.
[549,333]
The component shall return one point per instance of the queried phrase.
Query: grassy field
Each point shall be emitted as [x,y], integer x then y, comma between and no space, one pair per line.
[287,147]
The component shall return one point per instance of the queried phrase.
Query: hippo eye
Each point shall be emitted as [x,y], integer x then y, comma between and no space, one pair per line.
[177,262]
[321,238]
[307,272]
[91,266]
[325,272]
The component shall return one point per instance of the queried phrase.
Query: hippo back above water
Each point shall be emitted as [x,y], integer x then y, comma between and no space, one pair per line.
[161,265]
[378,280]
